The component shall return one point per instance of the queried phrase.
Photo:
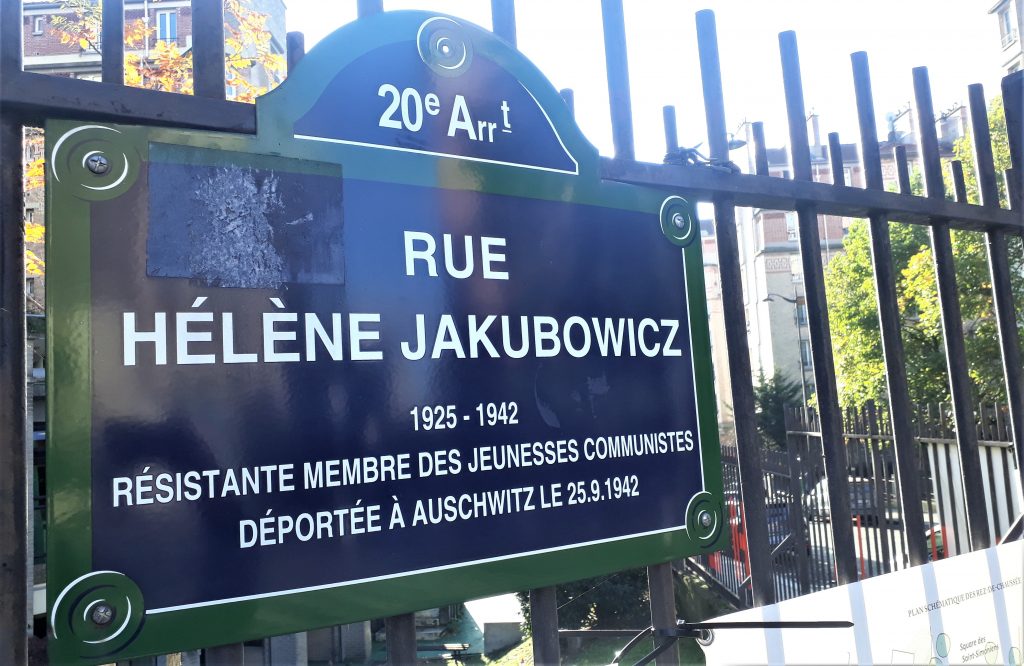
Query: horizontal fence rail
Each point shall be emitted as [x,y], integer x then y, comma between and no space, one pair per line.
[898,491]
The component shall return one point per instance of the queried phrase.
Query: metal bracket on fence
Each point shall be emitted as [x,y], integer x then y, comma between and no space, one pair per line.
[704,633]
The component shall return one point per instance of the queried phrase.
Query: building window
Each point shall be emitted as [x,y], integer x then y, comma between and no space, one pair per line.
[801,314]
[37,25]
[30,286]
[805,353]
[796,269]
[848,176]
[30,215]
[791,225]
[167,26]
[1007,32]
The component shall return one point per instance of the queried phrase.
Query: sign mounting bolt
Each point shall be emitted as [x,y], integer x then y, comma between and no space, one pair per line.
[98,164]
[102,614]
[704,518]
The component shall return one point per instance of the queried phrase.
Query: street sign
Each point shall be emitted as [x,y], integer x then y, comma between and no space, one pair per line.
[401,348]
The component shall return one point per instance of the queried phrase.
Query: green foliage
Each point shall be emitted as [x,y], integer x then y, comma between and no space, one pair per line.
[621,601]
[616,601]
[771,397]
[853,313]
[964,152]
[696,601]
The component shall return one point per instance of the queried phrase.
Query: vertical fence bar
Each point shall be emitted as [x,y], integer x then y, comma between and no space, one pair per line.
[112,41]
[401,639]
[956,174]
[760,149]
[1013,106]
[999,269]
[208,81]
[296,46]
[13,487]
[208,48]
[952,322]
[569,97]
[817,321]
[13,507]
[617,66]
[668,114]
[661,584]
[366,8]
[503,19]
[902,169]
[748,444]
[906,447]
[225,655]
[835,156]
[544,625]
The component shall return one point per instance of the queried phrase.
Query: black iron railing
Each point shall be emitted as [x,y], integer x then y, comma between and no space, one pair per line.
[28,98]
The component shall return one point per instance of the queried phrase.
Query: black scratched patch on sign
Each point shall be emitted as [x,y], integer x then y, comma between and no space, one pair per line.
[244,227]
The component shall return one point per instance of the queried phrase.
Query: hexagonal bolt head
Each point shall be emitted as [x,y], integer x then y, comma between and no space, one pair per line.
[102,614]
[98,164]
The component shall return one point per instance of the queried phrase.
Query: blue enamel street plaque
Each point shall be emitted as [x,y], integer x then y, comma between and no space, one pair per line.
[401,348]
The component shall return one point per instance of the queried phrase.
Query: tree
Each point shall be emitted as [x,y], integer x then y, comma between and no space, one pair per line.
[771,397]
[853,309]
[165,67]
[246,41]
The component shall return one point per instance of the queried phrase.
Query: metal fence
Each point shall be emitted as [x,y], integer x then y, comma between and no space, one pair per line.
[27,98]
[798,510]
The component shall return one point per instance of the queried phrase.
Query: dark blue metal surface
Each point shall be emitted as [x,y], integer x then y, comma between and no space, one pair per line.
[483,113]
[562,260]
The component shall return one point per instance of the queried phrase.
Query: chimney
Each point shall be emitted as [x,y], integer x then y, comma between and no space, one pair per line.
[814,129]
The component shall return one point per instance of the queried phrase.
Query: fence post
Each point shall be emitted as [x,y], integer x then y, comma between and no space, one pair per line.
[400,631]
[617,67]
[208,48]
[544,626]
[889,323]
[225,655]
[833,446]
[952,320]
[13,489]
[661,585]
[748,446]
[296,47]
[366,8]
[112,41]
[1013,106]
[503,19]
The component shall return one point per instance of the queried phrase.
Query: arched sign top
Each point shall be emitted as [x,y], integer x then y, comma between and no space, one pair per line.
[419,82]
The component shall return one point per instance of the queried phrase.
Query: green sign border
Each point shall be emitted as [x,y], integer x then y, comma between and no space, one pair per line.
[71,191]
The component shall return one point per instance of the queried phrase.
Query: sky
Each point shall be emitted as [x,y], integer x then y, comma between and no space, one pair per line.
[956,39]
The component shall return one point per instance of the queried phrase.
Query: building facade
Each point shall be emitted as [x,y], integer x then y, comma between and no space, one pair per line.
[1010,20]
[166,21]
[773,284]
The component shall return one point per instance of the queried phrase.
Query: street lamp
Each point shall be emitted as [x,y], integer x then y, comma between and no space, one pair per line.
[799,334]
